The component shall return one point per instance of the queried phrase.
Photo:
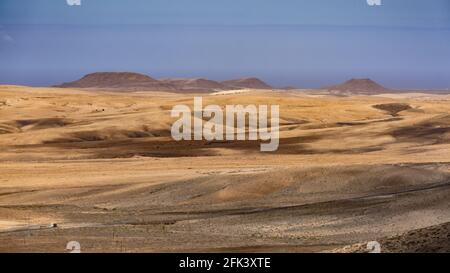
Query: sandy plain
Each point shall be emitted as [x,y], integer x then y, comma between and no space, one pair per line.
[103,167]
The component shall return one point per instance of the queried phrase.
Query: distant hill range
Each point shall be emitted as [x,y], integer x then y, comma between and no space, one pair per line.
[194,84]
[128,81]
[358,86]
[252,83]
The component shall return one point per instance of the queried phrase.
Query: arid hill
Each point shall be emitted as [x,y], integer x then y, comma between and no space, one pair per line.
[129,81]
[197,84]
[358,86]
[252,83]
[119,80]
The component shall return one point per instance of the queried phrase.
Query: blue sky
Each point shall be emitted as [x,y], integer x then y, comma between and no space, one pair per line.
[305,43]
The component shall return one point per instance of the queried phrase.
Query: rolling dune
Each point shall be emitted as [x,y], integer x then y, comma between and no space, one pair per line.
[103,167]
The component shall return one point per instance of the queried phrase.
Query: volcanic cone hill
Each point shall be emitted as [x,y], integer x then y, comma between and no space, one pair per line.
[194,84]
[251,83]
[358,86]
[119,80]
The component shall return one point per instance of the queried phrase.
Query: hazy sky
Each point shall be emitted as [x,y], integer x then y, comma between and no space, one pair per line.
[306,43]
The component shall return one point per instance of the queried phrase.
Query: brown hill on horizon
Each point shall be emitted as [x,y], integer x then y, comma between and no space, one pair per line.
[194,84]
[130,81]
[358,86]
[252,83]
[118,80]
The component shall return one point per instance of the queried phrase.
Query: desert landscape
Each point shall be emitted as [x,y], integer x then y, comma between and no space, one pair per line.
[93,161]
